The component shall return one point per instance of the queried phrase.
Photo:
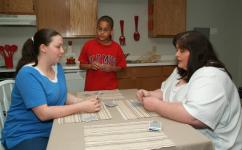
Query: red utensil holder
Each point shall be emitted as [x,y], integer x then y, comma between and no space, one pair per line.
[9,62]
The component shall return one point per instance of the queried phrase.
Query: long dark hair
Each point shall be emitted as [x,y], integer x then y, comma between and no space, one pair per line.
[30,50]
[201,53]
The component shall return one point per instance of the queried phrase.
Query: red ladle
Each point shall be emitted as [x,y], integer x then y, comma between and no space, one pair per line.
[122,38]
[136,33]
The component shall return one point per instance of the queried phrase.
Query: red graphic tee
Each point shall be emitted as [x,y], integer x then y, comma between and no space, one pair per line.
[104,54]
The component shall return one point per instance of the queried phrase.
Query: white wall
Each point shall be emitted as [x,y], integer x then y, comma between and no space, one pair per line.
[223,16]
[239,52]
[240,61]
[220,15]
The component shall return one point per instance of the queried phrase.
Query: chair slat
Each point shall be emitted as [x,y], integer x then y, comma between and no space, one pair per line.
[6,88]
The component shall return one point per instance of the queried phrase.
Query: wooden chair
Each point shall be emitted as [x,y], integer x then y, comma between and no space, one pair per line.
[6,87]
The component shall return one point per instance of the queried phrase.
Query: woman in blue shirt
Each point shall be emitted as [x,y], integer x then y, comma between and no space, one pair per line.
[40,94]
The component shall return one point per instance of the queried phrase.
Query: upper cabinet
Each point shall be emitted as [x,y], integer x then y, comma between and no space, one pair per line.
[71,18]
[16,7]
[166,18]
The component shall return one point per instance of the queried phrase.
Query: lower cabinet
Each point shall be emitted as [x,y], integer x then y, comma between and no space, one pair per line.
[145,77]
[75,80]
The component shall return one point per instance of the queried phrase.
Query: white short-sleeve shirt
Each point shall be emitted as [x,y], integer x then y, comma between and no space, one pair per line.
[211,97]
[172,92]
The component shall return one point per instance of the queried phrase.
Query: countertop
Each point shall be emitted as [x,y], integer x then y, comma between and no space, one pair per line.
[160,63]
[76,66]
[7,70]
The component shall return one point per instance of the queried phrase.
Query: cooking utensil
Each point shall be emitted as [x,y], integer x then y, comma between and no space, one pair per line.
[136,33]
[7,52]
[122,38]
[14,48]
[2,51]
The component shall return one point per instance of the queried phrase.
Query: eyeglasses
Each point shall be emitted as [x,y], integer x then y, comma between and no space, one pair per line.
[103,30]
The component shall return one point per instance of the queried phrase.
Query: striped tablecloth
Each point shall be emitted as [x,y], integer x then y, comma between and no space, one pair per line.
[103,114]
[124,136]
[103,94]
[128,108]
[133,109]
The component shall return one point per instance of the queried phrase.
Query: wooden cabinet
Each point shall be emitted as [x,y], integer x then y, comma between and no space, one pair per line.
[148,77]
[166,18]
[71,18]
[16,7]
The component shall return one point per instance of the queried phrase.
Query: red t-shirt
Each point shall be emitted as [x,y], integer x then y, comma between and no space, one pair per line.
[104,54]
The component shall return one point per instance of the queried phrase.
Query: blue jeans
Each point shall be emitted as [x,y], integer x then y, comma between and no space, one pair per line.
[38,143]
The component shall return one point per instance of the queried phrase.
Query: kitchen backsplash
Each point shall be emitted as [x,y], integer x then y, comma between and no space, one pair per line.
[1,62]
[17,35]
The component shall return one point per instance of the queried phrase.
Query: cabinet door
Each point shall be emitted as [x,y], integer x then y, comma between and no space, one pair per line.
[167,70]
[2,2]
[83,17]
[75,80]
[152,77]
[71,18]
[166,17]
[126,79]
[150,83]
[16,7]
[148,77]
[53,14]
[127,83]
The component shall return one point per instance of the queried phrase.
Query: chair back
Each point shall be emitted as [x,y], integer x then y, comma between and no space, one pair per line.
[6,87]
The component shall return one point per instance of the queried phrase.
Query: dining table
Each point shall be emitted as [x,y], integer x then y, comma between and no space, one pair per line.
[123,124]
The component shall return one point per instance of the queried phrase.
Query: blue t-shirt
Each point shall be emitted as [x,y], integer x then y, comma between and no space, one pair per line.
[32,89]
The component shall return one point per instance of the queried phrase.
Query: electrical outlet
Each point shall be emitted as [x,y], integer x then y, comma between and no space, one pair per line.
[213,31]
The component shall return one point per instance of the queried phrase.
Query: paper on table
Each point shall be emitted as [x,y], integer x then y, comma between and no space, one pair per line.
[154,125]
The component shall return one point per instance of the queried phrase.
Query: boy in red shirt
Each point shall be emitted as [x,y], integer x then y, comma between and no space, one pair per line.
[102,58]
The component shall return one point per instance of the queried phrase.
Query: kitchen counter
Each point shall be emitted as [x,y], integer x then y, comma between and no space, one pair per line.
[7,70]
[160,63]
[65,67]
[76,66]
[70,67]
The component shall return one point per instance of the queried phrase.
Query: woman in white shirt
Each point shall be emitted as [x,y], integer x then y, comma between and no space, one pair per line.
[199,92]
